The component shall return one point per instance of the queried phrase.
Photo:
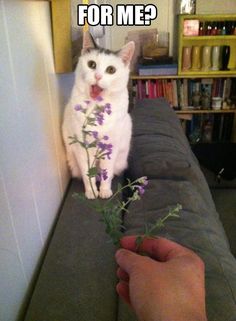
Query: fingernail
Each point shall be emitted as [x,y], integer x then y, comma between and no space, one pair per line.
[119,253]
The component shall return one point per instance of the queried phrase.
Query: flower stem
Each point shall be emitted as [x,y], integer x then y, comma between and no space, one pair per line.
[122,188]
[88,157]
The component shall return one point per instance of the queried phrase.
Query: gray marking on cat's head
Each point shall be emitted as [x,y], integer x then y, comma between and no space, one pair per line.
[125,53]
[89,44]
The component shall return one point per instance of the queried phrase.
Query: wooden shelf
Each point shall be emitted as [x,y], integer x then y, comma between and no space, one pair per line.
[209,17]
[189,74]
[208,74]
[225,37]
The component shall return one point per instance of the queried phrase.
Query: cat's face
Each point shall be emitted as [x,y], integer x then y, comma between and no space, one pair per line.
[102,70]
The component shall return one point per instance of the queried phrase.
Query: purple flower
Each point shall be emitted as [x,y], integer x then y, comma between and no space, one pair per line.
[107,108]
[78,107]
[94,134]
[143,181]
[99,98]
[106,149]
[99,117]
[105,137]
[102,175]
[141,190]
[87,102]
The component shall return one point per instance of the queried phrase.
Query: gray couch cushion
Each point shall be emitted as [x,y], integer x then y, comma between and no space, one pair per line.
[161,152]
[78,278]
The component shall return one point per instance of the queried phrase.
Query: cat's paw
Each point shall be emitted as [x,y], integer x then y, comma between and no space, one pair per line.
[91,195]
[105,193]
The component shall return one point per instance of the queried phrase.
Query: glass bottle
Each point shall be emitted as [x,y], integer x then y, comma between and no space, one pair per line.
[219,28]
[209,28]
[214,29]
[223,32]
[201,29]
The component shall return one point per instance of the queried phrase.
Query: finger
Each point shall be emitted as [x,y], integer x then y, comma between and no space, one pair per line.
[122,289]
[122,275]
[160,249]
[128,260]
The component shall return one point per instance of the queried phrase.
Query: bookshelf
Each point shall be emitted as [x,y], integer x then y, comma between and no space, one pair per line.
[193,119]
[207,40]
[222,121]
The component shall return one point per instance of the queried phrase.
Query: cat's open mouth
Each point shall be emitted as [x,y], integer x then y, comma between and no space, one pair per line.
[95,91]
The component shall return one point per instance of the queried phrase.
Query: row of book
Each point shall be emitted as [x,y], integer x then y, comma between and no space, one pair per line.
[209,128]
[184,93]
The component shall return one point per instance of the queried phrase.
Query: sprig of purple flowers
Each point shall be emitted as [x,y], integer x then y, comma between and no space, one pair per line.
[94,116]
[111,212]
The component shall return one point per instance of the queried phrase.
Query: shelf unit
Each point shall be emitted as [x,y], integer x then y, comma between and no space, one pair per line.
[209,40]
[187,114]
[188,76]
[134,77]
[213,40]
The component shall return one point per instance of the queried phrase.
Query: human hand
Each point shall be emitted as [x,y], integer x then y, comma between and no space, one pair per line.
[168,285]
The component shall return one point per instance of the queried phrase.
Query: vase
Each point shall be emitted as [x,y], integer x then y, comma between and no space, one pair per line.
[186,58]
[196,58]
[225,57]
[216,58]
[206,58]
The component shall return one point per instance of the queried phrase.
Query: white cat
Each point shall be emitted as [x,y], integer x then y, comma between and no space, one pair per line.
[100,75]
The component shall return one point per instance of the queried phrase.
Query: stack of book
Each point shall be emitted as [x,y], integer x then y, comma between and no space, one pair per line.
[158,70]
[157,67]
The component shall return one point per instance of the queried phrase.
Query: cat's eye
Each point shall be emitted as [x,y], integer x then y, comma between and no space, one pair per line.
[92,64]
[111,70]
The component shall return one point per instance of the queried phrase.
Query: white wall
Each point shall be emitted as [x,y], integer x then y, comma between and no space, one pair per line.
[164,22]
[33,171]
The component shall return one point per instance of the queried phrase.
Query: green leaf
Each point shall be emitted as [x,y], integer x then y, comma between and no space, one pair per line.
[74,139]
[92,172]
[93,144]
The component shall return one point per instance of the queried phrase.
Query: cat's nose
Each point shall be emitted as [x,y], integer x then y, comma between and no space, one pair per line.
[98,76]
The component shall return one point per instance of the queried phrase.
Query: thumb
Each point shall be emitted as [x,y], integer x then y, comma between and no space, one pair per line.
[128,260]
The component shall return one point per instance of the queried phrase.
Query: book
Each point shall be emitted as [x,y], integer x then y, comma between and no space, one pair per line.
[175,93]
[185,93]
[191,27]
[158,70]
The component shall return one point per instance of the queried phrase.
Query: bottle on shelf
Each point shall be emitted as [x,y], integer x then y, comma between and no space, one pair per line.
[201,29]
[219,28]
[209,28]
[214,29]
[223,31]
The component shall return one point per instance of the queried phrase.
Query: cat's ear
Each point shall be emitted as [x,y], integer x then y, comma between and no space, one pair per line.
[126,52]
[88,42]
